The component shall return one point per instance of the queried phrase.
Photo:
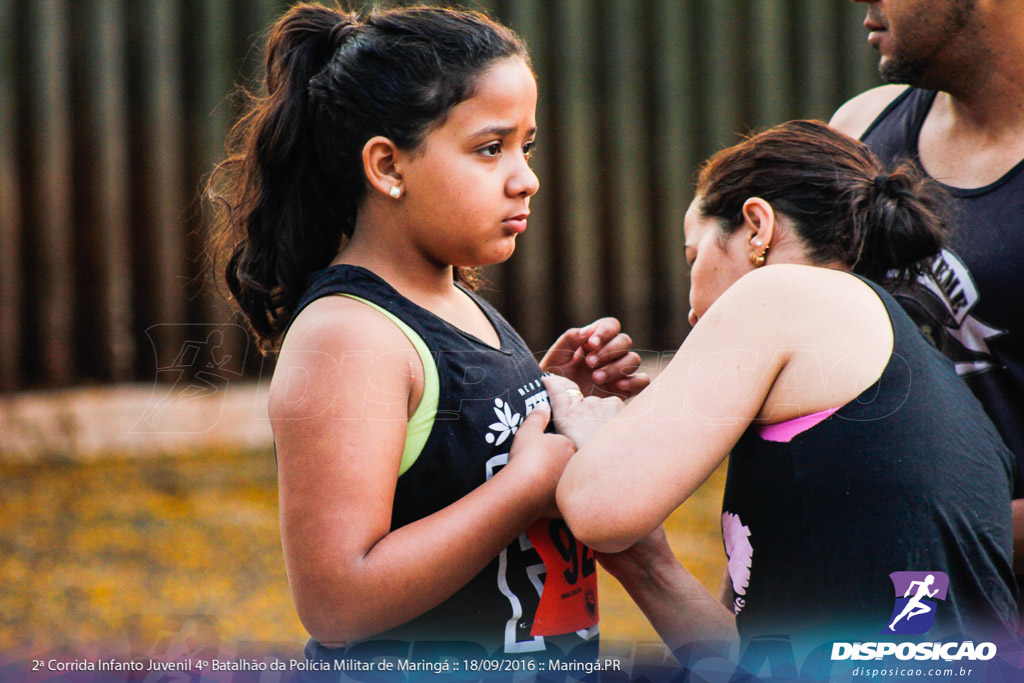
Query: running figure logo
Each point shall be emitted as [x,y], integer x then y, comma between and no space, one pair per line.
[916,595]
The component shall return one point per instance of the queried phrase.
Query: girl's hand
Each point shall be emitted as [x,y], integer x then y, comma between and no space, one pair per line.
[543,455]
[599,358]
[576,416]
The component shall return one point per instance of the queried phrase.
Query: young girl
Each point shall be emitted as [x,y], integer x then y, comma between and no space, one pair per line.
[859,463]
[388,158]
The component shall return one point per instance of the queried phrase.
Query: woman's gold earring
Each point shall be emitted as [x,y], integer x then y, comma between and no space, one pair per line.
[395,192]
[758,259]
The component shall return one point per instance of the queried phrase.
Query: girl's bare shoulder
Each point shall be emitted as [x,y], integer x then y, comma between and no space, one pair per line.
[343,323]
[337,343]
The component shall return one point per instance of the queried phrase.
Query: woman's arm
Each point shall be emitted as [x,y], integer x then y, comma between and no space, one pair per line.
[782,341]
[679,608]
[339,404]
[644,463]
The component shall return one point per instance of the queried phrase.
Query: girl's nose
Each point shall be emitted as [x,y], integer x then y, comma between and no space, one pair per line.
[524,181]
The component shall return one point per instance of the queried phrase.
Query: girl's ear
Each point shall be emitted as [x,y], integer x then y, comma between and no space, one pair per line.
[759,224]
[379,157]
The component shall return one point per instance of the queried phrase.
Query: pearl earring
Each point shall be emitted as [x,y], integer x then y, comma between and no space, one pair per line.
[395,192]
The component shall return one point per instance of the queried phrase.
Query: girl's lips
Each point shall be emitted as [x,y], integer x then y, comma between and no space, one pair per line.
[517,223]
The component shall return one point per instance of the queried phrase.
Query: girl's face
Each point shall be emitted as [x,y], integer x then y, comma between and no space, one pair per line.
[716,261]
[468,187]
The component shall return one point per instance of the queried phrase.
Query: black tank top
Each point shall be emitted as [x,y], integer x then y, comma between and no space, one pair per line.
[970,305]
[909,477]
[485,393]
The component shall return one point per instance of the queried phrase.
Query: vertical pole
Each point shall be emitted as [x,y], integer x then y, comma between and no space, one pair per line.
[10,208]
[51,184]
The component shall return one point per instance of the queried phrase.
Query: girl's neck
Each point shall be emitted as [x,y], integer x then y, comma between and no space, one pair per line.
[406,269]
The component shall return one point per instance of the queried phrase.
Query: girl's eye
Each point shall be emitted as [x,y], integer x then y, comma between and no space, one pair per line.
[492,150]
[528,149]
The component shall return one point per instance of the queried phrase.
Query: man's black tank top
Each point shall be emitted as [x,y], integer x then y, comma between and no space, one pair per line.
[911,476]
[970,304]
[485,393]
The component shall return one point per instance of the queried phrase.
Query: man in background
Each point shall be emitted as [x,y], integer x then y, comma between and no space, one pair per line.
[956,106]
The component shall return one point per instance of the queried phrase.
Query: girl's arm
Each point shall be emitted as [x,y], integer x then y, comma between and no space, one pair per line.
[339,404]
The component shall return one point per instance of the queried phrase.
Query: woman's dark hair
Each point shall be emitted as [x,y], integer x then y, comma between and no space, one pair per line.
[293,180]
[841,200]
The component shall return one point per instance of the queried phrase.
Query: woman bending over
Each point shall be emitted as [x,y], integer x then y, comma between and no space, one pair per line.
[858,462]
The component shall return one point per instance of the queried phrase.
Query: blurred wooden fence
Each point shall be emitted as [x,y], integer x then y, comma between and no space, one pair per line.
[112,112]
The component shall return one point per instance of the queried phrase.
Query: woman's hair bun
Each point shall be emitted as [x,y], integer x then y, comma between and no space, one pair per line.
[901,221]
[844,204]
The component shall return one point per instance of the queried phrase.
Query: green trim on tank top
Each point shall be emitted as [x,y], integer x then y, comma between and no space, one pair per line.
[422,419]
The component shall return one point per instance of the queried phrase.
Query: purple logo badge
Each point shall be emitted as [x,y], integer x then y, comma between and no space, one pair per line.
[917,594]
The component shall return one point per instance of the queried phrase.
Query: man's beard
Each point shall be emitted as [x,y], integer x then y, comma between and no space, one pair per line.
[902,71]
[914,70]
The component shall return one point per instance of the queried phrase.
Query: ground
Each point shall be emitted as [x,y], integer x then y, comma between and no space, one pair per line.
[157,555]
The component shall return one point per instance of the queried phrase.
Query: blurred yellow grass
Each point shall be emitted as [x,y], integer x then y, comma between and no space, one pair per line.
[142,554]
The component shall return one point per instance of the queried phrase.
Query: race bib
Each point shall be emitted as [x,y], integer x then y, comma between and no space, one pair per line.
[569,600]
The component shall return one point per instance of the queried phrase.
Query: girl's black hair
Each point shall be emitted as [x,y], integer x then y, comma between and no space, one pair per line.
[293,180]
[841,200]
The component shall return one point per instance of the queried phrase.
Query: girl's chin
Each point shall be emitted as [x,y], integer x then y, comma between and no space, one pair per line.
[491,257]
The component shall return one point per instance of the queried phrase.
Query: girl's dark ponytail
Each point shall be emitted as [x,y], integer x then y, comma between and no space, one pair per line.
[283,229]
[293,181]
[843,203]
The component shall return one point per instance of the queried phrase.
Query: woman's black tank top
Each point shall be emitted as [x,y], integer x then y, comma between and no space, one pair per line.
[911,476]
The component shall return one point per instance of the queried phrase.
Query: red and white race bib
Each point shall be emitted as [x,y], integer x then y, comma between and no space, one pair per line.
[569,600]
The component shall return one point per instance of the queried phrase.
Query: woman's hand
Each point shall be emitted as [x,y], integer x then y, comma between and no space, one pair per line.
[576,416]
[599,358]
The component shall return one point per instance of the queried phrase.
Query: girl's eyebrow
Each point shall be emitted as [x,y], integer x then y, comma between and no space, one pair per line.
[500,131]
